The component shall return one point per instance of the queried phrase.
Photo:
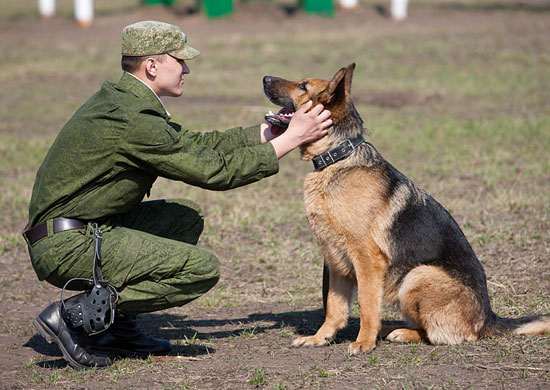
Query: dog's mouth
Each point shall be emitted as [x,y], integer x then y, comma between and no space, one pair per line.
[280,119]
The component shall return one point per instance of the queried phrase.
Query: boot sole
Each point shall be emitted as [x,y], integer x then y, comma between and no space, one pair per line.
[127,353]
[50,337]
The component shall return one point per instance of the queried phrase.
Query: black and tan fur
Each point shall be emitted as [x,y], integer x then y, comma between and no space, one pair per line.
[385,236]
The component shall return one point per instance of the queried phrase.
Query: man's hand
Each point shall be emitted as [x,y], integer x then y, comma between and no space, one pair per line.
[306,126]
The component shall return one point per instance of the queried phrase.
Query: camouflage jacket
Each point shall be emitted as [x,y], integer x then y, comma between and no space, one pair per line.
[106,158]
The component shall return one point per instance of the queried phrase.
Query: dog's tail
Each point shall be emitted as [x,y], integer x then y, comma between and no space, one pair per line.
[531,325]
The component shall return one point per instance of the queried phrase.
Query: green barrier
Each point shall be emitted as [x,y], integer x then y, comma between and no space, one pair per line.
[155,2]
[323,7]
[217,8]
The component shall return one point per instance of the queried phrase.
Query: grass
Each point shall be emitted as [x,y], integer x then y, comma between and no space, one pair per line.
[460,106]
[258,377]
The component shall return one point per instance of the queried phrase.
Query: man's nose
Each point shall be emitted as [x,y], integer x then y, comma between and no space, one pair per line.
[186,69]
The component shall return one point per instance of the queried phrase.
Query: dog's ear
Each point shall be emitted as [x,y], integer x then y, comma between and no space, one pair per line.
[349,75]
[336,82]
[341,83]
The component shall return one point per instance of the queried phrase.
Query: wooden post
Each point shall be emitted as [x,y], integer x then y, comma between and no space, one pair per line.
[399,9]
[46,8]
[84,12]
[349,4]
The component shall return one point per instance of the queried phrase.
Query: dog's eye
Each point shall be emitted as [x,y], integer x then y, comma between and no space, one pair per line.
[303,86]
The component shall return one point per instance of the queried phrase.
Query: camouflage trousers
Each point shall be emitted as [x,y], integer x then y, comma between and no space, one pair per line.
[149,255]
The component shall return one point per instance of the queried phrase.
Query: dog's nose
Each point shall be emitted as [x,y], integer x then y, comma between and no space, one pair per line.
[267,79]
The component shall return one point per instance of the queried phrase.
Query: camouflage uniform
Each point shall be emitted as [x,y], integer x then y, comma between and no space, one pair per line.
[100,167]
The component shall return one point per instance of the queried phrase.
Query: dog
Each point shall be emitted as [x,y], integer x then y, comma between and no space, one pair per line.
[385,236]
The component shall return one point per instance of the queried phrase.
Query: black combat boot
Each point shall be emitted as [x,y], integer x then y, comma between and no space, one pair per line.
[125,339]
[51,324]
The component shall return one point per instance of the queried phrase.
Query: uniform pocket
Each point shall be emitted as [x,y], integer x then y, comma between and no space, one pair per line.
[74,249]
[44,257]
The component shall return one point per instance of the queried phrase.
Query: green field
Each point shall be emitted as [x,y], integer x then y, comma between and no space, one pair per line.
[457,97]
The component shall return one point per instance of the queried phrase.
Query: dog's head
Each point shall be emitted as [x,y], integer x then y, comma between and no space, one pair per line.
[333,94]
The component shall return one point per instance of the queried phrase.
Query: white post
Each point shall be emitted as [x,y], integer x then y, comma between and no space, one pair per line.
[84,12]
[46,8]
[349,3]
[399,9]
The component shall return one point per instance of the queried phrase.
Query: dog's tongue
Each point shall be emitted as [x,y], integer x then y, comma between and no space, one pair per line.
[280,119]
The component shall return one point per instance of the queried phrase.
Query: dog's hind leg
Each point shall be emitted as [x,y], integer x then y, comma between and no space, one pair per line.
[401,332]
[339,297]
[406,335]
[445,310]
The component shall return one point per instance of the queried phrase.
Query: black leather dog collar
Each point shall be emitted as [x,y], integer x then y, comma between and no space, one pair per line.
[338,153]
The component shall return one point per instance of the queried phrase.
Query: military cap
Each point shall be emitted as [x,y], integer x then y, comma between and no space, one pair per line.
[150,38]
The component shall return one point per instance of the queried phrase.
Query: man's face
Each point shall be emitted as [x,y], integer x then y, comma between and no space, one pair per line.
[170,75]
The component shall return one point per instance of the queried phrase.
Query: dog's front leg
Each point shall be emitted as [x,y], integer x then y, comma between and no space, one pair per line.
[370,289]
[339,297]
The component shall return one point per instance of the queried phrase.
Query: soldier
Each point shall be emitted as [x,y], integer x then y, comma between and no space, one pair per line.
[100,167]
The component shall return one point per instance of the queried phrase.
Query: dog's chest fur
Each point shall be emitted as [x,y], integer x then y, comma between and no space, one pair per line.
[342,206]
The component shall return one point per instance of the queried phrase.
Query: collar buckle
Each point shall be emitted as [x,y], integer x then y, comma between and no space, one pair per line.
[343,150]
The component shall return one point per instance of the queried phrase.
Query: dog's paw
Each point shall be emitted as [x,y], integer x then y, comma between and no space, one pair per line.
[309,341]
[358,347]
[404,335]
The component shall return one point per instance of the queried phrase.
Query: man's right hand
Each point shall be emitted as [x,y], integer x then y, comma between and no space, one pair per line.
[306,126]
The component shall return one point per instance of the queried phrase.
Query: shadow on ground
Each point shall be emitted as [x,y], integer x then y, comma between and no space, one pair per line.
[304,323]
[183,331]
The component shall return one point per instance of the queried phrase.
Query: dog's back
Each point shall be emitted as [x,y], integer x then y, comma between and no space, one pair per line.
[422,232]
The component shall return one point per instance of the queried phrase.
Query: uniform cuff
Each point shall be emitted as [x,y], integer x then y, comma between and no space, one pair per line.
[271,160]
[252,135]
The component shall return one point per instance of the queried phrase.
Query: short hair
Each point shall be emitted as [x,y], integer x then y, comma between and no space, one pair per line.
[131,64]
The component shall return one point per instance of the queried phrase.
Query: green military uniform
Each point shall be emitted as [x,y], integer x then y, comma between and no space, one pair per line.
[100,167]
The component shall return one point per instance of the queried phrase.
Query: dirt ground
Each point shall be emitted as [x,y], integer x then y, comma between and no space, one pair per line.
[248,345]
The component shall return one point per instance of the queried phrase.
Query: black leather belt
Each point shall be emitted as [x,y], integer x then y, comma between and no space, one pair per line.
[59,225]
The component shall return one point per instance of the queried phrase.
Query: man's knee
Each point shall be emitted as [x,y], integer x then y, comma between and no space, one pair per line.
[177,219]
[198,280]
[209,270]
[188,203]
[189,216]
[183,209]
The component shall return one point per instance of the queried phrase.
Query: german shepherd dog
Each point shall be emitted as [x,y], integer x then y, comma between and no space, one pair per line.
[385,236]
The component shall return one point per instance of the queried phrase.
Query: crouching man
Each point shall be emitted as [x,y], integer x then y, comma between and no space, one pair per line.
[96,174]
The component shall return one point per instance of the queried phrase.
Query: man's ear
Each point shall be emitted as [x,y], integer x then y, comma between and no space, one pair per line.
[150,66]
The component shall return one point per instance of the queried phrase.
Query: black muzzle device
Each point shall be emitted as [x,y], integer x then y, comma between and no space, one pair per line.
[94,309]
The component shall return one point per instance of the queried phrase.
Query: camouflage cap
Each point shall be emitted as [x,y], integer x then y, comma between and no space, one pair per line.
[150,38]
